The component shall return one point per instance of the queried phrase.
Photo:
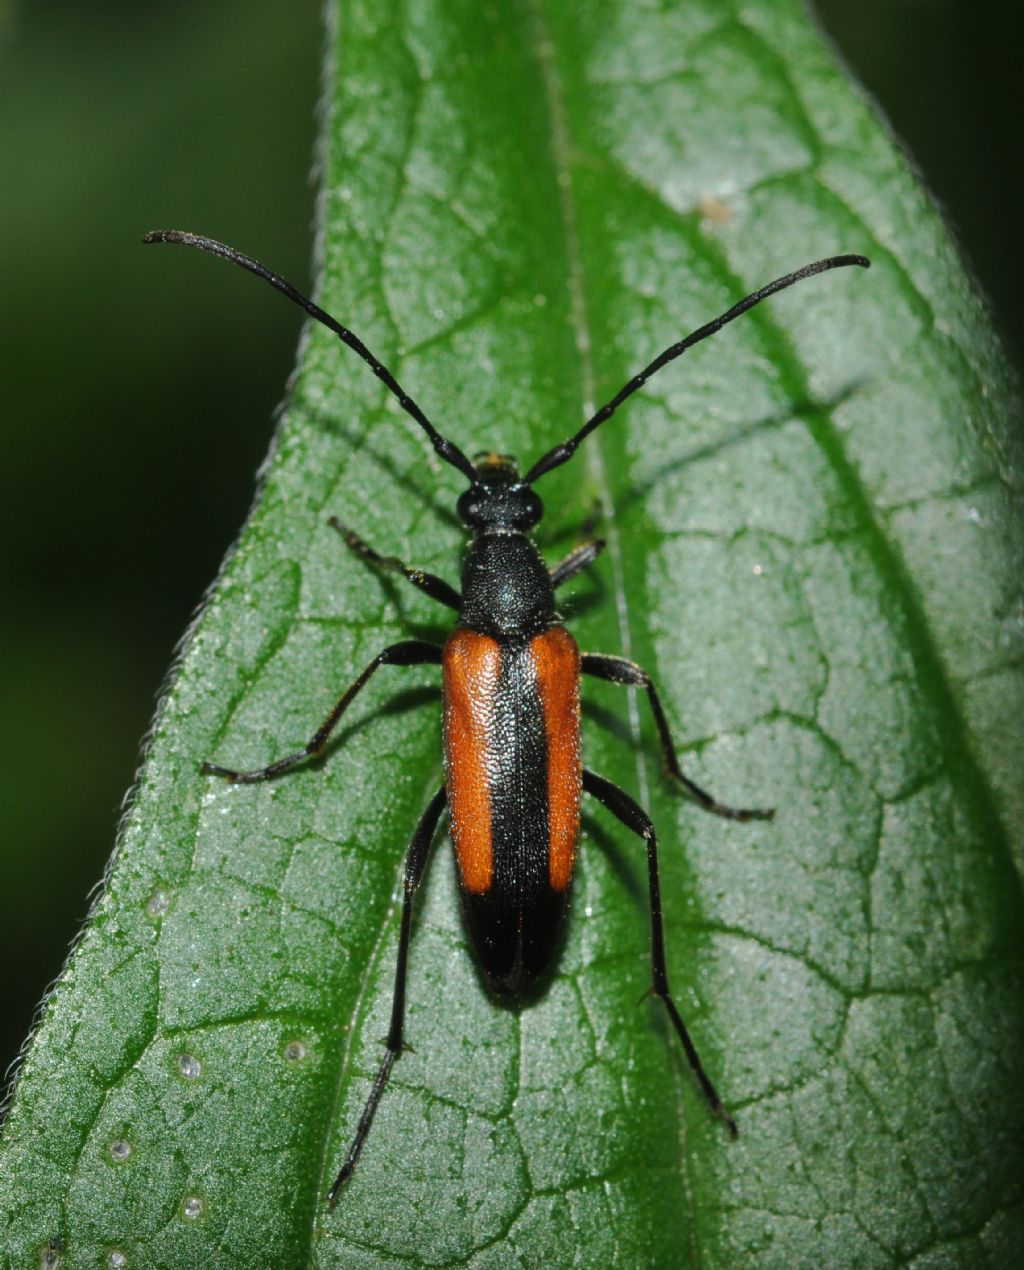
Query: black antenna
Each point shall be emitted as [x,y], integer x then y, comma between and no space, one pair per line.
[445,448]
[563,452]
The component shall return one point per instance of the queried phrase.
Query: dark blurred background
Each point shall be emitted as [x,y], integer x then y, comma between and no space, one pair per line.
[138,411]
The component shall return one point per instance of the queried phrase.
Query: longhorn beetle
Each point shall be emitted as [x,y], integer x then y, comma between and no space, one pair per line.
[511,672]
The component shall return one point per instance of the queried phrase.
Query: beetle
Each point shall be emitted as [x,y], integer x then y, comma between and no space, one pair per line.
[511,672]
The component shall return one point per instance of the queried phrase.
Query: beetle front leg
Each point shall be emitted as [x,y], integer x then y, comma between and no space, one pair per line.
[429,583]
[619,670]
[410,652]
[578,559]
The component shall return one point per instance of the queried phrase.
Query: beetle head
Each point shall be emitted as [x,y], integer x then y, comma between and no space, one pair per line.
[498,497]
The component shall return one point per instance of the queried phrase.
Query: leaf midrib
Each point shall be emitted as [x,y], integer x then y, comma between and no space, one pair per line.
[560,147]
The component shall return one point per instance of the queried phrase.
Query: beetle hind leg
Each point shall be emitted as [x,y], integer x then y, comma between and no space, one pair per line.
[415,863]
[633,816]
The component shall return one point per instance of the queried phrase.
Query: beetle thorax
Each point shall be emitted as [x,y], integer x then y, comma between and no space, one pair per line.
[506,587]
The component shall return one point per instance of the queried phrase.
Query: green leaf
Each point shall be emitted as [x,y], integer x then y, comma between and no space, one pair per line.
[814,547]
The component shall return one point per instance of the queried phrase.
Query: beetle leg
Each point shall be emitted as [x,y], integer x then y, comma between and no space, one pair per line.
[415,863]
[619,670]
[434,586]
[579,558]
[410,652]
[633,816]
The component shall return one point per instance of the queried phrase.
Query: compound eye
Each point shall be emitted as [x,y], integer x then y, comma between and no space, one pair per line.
[531,508]
[469,505]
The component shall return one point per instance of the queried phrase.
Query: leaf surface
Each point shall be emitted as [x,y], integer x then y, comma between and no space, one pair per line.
[814,547]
